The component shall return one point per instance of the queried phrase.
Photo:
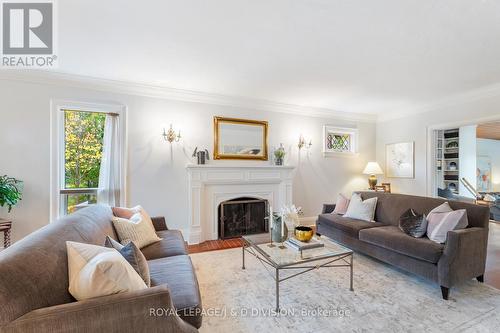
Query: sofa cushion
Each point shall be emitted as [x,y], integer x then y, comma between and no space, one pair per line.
[345,224]
[178,274]
[171,244]
[391,238]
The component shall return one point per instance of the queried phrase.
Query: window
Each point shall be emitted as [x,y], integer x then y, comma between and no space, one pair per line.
[87,156]
[83,144]
[338,140]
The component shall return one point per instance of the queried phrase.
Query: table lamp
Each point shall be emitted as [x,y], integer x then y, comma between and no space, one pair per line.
[372,169]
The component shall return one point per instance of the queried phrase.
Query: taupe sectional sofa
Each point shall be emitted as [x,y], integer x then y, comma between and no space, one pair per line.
[34,293]
[461,258]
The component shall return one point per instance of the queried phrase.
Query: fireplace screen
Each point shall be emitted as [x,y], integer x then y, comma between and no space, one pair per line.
[242,216]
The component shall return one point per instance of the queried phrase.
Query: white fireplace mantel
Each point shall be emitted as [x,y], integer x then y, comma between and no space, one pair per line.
[211,184]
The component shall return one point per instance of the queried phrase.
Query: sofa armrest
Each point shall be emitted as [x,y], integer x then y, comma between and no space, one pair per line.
[464,256]
[328,208]
[125,312]
[159,223]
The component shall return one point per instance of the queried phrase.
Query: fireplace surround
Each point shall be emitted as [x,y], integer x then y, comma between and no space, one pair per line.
[211,184]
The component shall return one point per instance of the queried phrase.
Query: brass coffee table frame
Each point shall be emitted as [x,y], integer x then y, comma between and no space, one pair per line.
[263,257]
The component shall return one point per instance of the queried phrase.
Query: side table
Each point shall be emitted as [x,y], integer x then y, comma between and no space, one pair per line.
[5,226]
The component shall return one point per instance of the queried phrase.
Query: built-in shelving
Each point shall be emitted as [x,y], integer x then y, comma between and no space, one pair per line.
[447,159]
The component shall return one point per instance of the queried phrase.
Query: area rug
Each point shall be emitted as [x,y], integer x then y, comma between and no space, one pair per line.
[384,299]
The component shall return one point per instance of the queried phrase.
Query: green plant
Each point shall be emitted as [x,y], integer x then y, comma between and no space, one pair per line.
[10,191]
[280,153]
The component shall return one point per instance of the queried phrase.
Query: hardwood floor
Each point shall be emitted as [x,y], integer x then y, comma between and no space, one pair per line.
[491,276]
[215,245]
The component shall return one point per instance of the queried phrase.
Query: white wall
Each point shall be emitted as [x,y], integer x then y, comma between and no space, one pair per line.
[157,177]
[491,148]
[467,154]
[415,128]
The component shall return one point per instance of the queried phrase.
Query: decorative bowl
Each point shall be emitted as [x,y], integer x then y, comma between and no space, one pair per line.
[303,234]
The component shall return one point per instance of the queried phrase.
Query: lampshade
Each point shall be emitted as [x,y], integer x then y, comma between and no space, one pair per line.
[372,168]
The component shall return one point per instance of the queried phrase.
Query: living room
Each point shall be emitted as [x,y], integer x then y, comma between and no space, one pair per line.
[227,130]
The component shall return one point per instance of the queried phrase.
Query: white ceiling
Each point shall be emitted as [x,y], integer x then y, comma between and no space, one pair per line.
[359,56]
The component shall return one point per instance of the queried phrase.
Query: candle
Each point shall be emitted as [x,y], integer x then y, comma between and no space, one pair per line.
[270,217]
[282,226]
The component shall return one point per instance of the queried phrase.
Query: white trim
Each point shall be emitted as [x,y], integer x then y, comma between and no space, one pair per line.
[57,143]
[430,154]
[352,132]
[147,90]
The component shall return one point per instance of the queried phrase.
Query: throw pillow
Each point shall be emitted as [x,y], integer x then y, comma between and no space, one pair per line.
[413,224]
[443,219]
[127,213]
[361,210]
[96,271]
[341,205]
[134,256]
[136,229]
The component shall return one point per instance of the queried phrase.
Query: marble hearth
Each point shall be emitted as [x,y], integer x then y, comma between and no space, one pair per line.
[209,185]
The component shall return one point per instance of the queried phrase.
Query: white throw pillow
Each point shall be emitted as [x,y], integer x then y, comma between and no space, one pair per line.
[442,219]
[137,229]
[96,271]
[361,210]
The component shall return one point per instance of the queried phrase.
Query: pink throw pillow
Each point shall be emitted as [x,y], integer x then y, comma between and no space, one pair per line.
[341,205]
[123,212]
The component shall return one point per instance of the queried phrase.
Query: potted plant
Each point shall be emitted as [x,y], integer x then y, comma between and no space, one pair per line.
[279,155]
[10,192]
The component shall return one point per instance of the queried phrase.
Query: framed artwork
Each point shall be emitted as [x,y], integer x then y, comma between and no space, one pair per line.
[483,174]
[240,139]
[338,141]
[400,160]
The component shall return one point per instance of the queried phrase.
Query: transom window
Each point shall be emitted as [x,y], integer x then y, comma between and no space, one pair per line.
[339,140]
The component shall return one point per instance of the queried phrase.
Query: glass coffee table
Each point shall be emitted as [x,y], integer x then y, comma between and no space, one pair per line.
[284,258]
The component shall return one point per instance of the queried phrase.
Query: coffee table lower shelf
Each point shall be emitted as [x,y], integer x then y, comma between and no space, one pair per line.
[346,260]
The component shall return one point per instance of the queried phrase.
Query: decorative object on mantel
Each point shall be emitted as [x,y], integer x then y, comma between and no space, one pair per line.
[240,139]
[303,143]
[170,135]
[400,160]
[372,169]
[201,156]
[279,155]
[339,141]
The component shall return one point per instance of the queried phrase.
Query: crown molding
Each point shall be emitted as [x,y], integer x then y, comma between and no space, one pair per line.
[154,91]
[446,102]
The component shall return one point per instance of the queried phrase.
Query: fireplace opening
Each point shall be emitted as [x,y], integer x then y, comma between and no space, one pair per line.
[242,216]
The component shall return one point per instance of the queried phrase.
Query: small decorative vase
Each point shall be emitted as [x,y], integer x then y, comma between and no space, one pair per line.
[277,235]
[279,161]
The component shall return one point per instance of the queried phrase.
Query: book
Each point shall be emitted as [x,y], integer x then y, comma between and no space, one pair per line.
[297,245]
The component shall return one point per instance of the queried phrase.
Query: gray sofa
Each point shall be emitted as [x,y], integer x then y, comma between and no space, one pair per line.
[461,258]
[34,283]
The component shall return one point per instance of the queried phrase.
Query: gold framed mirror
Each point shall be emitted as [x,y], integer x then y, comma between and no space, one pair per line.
[240,139]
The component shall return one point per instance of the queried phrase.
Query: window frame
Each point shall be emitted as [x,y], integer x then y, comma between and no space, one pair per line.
[57,181]
[353,134]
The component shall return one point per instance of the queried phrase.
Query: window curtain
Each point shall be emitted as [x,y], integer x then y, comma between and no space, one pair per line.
[110,174]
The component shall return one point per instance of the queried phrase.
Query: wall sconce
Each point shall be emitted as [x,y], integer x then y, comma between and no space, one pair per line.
[170,135]
[302,143]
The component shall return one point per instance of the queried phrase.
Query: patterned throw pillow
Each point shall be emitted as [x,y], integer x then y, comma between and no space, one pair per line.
[134,256]
[341,205]
[361,210]
[96,271]
[136,229]
[413,224]
[443,219]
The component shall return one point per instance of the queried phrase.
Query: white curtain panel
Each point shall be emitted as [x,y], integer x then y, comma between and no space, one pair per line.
[110,174]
